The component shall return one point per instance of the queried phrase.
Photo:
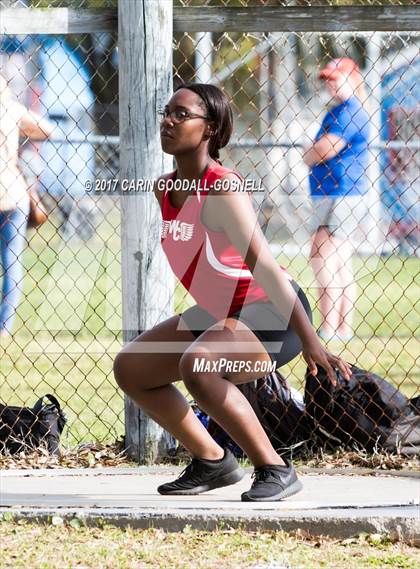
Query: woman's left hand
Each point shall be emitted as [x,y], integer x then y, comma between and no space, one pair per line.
[314,353]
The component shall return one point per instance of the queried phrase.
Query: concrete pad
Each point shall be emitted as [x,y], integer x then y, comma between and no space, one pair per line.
[337,505]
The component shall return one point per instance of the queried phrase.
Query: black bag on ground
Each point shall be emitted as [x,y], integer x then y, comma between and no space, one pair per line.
[404,436]
[23,427]
[366,411]
[279,411]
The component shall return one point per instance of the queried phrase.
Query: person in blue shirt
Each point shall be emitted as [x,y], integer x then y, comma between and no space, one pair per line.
[338,160]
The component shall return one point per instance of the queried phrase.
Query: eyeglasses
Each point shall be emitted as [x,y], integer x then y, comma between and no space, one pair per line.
[178,116]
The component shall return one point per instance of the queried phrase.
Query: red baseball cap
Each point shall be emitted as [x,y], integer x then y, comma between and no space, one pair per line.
[344,65]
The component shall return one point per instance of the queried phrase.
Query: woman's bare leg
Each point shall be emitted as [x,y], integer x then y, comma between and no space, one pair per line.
[147,379]
[217,394]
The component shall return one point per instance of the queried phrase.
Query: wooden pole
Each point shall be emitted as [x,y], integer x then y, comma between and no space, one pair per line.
[145,84]
[221,19]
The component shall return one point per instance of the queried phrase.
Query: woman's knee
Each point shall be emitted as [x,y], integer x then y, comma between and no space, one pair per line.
[120,369]
[128,368]
[135,367]
[191,366]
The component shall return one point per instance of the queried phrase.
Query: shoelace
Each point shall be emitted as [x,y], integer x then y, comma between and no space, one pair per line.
[188,472]
[260,474]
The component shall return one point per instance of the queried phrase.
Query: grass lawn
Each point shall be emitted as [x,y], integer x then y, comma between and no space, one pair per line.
[68,327]
[28,545]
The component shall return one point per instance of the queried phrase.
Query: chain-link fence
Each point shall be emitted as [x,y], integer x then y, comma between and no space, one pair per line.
[61,282]
[280,103]
[63,311]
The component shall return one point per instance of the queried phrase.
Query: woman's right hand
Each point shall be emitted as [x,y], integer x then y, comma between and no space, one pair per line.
[314,353]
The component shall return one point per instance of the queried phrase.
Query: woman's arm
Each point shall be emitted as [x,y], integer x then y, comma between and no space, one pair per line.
[33,125]
[328,146]
[233,212]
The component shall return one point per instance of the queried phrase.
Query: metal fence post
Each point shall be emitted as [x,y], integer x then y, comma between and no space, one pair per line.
[203,57]
[145,82]
[375,229]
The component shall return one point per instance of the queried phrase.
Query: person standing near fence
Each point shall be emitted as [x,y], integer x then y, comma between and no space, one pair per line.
[338,160]
[14,198]
[249,310]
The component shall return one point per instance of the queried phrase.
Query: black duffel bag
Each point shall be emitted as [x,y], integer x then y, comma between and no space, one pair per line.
[366,411]
[23,428]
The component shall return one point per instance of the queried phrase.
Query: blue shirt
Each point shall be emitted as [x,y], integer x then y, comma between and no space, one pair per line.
[345,173]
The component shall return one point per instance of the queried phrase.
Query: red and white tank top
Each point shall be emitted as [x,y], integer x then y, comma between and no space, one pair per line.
[205,261]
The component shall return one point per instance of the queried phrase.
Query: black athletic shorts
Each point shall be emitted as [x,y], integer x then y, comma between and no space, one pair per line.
[264,319]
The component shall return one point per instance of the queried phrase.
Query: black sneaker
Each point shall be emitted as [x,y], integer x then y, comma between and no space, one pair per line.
[202,475]
[272,483]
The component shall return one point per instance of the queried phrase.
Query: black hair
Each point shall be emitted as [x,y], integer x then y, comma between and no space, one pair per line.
[218,110]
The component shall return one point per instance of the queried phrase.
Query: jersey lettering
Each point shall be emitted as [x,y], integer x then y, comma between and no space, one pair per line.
[180,230]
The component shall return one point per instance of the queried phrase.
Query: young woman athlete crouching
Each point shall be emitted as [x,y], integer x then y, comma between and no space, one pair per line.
[248,308]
